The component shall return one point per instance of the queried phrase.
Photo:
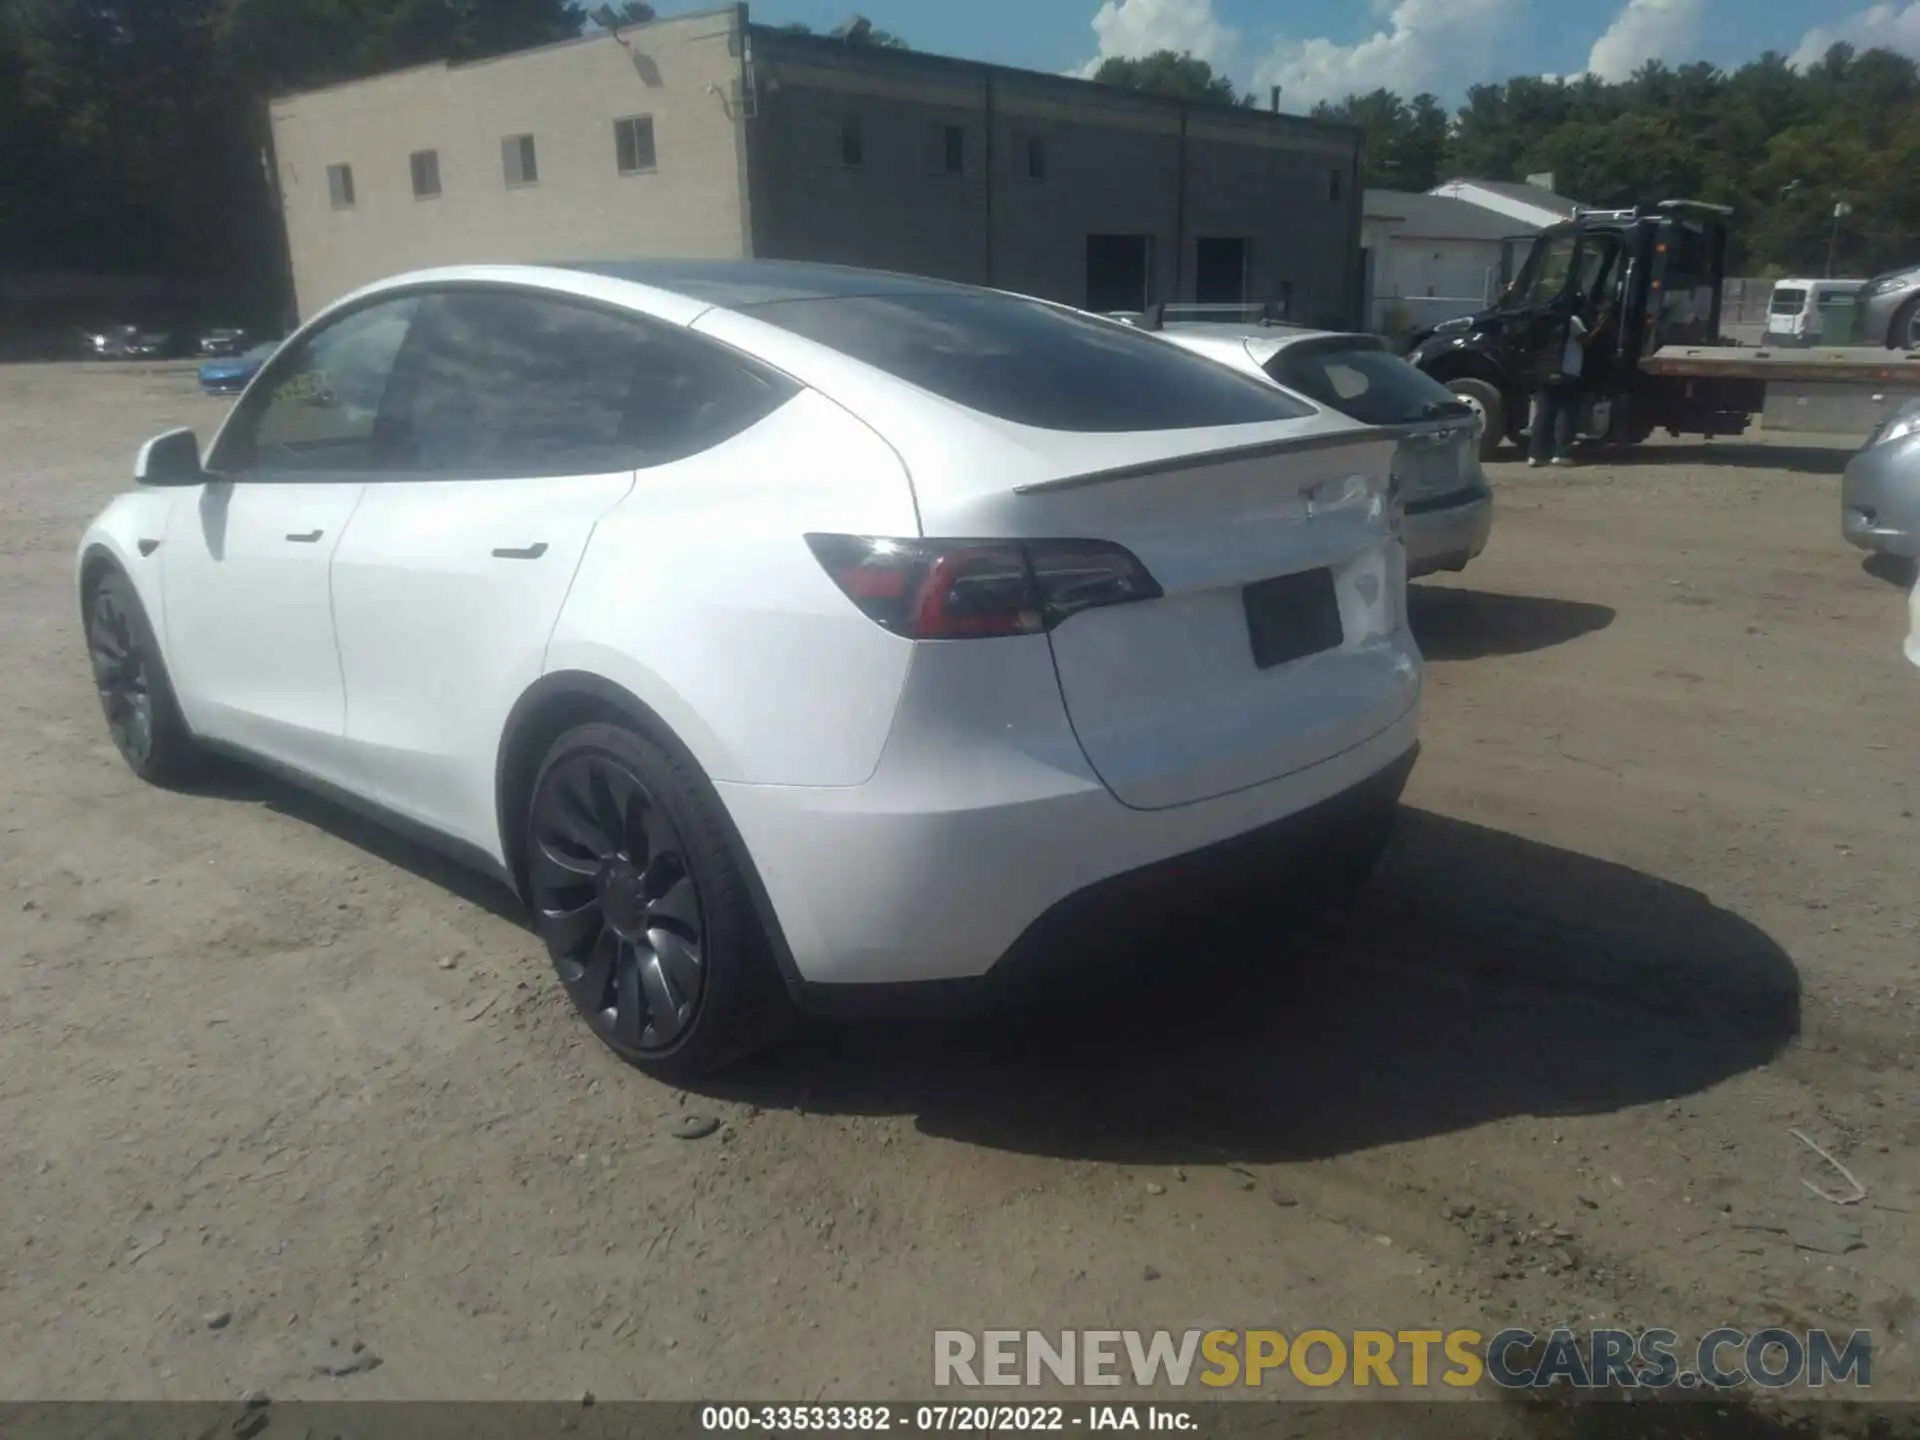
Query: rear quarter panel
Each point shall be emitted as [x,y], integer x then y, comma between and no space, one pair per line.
[698,595]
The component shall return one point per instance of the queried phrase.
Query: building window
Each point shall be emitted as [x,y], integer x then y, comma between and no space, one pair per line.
[1036,158]
[853,150]
[425,165]
[340,186]
[633,144]
[950,149]
[516,157]
[1335,179]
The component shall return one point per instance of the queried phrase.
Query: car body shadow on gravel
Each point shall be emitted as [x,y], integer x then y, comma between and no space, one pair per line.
[1478,976]
[1456,624]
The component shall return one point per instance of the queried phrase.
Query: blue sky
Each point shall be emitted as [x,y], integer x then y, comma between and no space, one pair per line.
[1324,48]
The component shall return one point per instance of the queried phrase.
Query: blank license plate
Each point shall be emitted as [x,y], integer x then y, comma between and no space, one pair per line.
[1292,616]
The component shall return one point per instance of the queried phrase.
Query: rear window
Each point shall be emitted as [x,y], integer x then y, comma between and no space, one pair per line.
[1371,386]
[1030,363]
[1789,302]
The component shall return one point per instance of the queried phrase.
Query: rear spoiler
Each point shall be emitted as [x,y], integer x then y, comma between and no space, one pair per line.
[1266,449]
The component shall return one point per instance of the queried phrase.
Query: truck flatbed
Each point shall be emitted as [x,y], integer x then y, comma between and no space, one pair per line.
[1838,365]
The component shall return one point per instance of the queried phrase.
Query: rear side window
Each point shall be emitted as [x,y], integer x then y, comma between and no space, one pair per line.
[1031,363]
[511,384]
[1368,385]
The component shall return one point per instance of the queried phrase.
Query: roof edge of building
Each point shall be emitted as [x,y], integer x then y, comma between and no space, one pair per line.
[765,38]
[685,17]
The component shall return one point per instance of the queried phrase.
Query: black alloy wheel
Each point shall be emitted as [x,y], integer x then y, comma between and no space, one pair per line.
[122,674]
[614,897]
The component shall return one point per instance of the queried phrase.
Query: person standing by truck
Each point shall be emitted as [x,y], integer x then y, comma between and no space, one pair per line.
[1558,400]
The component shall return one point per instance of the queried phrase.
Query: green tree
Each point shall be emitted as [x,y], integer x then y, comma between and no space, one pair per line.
[1167,72]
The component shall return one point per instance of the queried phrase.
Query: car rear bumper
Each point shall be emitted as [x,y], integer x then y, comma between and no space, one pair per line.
[974,828]
[1446,532]
[1880,499]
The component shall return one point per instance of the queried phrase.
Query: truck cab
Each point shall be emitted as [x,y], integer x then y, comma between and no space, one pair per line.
[1642,279]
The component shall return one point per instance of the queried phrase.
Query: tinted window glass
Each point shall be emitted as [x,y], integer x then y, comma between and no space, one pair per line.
[1367,385]
[320,407]
[1547,269]
[1031,363]
[502,383]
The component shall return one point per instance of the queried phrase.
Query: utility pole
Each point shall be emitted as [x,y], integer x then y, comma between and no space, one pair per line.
[1841,209]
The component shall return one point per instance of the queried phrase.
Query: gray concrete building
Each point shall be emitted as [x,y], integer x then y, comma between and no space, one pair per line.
[709,136]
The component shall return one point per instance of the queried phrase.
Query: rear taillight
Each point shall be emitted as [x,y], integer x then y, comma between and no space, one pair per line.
[969,589]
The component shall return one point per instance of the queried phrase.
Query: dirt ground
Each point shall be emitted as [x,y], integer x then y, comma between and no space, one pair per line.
[1653,905]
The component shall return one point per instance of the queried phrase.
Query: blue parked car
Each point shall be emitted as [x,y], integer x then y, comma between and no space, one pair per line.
[229,374]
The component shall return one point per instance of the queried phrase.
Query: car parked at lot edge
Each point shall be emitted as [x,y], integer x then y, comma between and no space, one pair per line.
[779,631]
[228,375]
[128,342]
[1890,309]
[1449,505]
[1880,492]
[224,340]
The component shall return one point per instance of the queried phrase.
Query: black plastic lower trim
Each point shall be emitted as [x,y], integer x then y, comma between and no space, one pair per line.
[1299,857]
[1452,500]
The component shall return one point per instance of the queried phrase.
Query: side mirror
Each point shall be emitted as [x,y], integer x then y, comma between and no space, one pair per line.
[171,458]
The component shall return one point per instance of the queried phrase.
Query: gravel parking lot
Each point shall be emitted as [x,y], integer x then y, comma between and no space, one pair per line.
[273,1085]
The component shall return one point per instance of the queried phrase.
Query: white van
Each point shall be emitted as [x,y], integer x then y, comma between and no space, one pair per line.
[1793,315]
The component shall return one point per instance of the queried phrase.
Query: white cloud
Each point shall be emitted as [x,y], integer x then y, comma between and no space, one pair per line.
[1129,29]
[1646,30]
[1434,45]
[1892,27]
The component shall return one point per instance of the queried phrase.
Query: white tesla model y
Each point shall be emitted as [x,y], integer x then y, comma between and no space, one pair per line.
[784,634]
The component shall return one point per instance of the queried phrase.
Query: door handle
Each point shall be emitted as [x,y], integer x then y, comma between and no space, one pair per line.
[306,539]
[532,552]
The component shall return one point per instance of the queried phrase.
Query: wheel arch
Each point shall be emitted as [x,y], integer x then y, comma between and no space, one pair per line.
[555,704]
[97,560]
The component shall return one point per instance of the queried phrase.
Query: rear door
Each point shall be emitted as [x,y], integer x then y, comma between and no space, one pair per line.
[517,420]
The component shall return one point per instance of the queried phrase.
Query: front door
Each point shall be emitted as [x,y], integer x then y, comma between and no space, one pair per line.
[247,613]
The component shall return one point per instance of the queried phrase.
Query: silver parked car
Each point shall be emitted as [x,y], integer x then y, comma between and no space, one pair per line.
[1880,495]
[1449,506]
[1890,309]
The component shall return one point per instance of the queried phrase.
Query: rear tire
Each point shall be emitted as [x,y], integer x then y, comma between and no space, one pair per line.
[1490,406]
[635,890]
[136,695]
[1904,332]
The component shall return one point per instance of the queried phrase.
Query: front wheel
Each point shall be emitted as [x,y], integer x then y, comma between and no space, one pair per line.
[136,694]
[1489,408]
[643,909]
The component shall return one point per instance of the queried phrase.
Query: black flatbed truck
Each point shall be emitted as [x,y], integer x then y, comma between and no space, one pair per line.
[1659,362]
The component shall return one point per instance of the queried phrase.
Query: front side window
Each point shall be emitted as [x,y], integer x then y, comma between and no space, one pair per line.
[507,383]
[340,186]
[320,407]
[1545,276]
[633,144]
[518,160]
[1032,363]
[1363,383]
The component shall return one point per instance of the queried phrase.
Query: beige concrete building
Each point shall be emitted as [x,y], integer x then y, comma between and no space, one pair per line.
[709,136]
